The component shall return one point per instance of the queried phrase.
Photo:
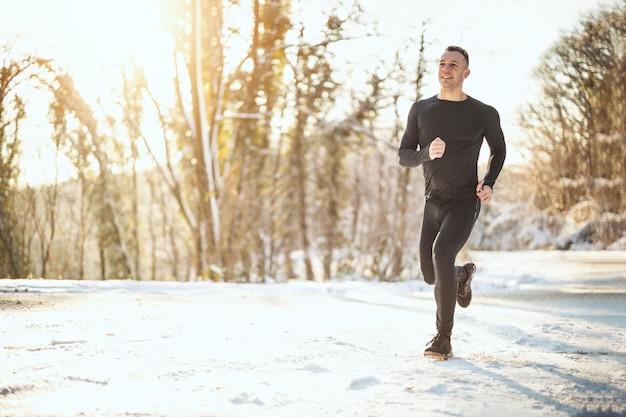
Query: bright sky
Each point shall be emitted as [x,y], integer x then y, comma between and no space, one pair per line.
[505,39]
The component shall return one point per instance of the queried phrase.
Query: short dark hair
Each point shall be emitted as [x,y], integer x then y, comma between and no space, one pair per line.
[454,48]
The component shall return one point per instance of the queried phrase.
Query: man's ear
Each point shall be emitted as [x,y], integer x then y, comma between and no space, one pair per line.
[466,73]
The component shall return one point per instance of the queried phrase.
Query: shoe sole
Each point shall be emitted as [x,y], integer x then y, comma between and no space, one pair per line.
[438,356]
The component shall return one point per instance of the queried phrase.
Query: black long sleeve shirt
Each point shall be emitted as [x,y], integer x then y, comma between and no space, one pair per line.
[462,125]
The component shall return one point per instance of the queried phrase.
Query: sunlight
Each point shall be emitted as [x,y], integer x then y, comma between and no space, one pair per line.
[114,35]
[79,32]
[95,42]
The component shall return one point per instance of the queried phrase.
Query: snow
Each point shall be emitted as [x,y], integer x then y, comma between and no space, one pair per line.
[544,336]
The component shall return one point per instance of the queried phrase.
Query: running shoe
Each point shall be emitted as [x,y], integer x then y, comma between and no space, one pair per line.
[439,348]
[464,276]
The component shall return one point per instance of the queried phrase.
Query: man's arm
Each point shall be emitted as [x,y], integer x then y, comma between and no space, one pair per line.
[497,146]
[408,155]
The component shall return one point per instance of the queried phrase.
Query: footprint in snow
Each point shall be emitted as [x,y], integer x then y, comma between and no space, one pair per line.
[438,389]
[245,398]
[364,383]
[314,368]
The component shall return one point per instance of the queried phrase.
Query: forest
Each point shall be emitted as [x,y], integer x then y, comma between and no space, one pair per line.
[268,156]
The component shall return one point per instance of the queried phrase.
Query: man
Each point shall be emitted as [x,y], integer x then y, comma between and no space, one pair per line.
[444,134]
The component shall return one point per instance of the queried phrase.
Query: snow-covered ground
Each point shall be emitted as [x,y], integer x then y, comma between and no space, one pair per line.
[544,336]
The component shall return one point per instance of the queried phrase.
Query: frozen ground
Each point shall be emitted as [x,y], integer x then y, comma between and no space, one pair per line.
[544,336]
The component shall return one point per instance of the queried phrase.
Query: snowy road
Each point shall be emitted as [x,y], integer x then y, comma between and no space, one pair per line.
[544,336]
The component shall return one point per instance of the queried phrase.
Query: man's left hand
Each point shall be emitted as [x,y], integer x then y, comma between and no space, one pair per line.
[484,192]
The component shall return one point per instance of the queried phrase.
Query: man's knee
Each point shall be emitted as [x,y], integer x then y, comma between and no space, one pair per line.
[429,279]
[429,275]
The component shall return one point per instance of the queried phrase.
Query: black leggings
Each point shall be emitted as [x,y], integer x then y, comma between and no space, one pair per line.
[445,229]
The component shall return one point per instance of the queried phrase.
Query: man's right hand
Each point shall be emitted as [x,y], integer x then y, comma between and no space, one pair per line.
[436,148]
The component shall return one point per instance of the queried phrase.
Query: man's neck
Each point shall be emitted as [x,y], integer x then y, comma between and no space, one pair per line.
[457,95]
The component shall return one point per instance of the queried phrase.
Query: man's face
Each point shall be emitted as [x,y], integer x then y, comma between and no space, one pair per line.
[452,69]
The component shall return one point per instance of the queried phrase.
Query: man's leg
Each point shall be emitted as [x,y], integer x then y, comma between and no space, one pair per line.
[456,226]
[430,229]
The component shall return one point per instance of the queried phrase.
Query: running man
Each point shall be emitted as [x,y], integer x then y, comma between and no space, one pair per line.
[444,134]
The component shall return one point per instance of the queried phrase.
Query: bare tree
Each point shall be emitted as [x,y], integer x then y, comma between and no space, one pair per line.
[264,167]
[403,205]
[577,126]
[13,73]
[256,95]
[93,153]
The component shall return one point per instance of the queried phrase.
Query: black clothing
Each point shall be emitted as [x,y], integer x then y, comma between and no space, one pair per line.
[445,229]
[462,126]
[451,207]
